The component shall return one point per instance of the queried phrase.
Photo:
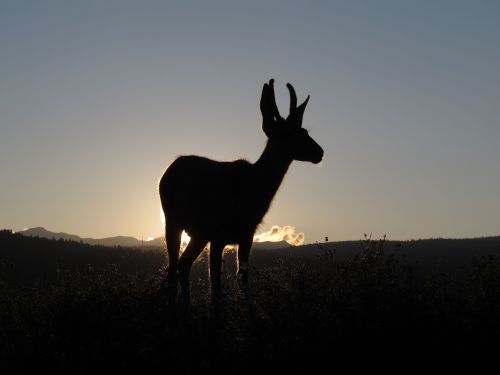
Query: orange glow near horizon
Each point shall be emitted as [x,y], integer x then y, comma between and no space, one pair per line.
[162,218]
[184,240]
[275,234]
[184,237]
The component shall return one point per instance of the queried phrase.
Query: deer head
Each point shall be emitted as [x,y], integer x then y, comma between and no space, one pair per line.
[288,135]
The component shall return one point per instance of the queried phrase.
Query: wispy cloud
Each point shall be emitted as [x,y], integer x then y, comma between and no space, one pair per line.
[277,233]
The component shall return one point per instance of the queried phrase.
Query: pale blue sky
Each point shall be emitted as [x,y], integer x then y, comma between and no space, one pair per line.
[97,97]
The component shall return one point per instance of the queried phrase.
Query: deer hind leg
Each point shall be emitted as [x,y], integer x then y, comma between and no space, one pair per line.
[173,239]
[216,250]
[193,250]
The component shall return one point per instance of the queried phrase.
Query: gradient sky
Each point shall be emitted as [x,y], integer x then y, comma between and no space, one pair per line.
[98,97]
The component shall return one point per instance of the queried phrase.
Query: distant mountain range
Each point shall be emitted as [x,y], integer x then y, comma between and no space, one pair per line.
[108,241]
[124,241]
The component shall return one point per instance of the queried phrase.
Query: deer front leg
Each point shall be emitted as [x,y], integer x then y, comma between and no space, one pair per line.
[243,255]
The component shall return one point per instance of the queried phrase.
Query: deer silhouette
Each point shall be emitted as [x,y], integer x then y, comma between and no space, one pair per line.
[224,202]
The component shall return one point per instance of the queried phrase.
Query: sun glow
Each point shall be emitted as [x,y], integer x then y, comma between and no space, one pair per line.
[275,234]
[184,240]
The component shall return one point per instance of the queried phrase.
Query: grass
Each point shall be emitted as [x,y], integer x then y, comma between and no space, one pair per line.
[367,311]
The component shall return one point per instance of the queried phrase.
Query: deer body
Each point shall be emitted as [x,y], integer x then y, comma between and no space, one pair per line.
[224,202]
[220,201]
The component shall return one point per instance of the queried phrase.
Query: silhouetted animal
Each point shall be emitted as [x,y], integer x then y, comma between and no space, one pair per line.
[224,202]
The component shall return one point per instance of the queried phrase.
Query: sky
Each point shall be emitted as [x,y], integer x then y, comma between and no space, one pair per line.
[97,98]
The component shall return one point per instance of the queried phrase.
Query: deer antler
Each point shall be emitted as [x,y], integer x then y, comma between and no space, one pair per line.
[270,114]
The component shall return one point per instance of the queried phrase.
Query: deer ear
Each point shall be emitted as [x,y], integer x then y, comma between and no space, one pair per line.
[264,100]
[272,102]
[270,115]
[265,109]
[302,107]
[297,114]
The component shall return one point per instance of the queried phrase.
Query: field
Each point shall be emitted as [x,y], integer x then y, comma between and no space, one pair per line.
[67,307]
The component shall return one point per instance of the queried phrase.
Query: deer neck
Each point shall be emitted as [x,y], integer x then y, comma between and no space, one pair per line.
[270,169]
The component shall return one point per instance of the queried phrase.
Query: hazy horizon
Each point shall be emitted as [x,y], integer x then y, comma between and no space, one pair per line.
[98,97]
[269,236]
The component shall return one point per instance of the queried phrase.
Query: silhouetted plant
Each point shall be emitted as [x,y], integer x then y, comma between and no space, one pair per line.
[371,250]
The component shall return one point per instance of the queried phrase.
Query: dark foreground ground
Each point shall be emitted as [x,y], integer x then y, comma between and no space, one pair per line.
[67,307]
